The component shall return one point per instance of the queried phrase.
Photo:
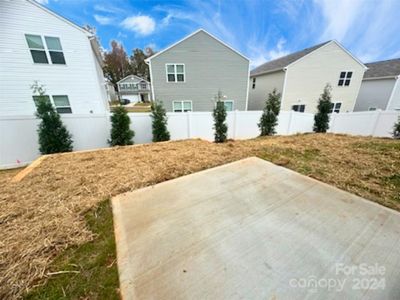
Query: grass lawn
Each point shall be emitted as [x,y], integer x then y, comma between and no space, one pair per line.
[64,201]
[89,270]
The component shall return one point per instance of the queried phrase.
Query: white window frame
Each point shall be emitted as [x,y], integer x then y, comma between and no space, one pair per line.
[46,49]
[233,104]
[333,107]
[346,78]
[182,102]
[175,72]
[53,103]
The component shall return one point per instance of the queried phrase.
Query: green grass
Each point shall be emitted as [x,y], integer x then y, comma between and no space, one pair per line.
[94,262]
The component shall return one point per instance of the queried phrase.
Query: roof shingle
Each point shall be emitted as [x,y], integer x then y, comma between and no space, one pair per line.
[383,68]
[282,62]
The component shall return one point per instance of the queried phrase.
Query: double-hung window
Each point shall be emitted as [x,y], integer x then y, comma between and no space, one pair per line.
[60,102]
[299,107]
[182,106]
[254,83]
[335,107]
[45,49]
[175,72]
[345,78]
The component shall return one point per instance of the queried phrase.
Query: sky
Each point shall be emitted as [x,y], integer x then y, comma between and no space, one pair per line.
[262,30]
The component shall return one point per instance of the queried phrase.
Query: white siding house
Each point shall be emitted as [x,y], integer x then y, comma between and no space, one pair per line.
[39,45]
[380,88]
[188,75]
[134,88]
[301,77]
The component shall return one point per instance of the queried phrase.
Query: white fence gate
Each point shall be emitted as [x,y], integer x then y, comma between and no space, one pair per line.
[19,146]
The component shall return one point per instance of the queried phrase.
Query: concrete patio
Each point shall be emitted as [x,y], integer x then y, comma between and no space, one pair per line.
[254,230]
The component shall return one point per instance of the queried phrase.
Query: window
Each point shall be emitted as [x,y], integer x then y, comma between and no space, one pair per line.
[182,106]
[345,78]
[371,108]
[37,49]
[143,85]
[254,83]
[335,107]
[60,102]
[228,105]
[299,107]
[175,72]
[55,50]
[42,52]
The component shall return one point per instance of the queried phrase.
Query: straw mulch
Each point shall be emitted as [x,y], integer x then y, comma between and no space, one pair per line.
[44,213]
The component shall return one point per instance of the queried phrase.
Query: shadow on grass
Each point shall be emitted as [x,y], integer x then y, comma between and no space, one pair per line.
[92,267]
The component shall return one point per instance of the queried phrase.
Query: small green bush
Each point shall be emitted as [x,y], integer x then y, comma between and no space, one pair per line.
[53,135]
[321,118]
[269,118]
[219,114]
[159,122]
[121,134]
[396,129]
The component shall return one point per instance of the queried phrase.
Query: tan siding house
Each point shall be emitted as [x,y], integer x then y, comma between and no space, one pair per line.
[301,77]
[188,75]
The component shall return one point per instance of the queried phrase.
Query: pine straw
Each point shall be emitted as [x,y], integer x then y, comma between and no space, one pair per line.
[44,213]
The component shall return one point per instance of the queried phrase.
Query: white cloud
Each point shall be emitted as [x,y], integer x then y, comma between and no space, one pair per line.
[340,15]
[142,25]
[42,1]
[260,54]
[103,20]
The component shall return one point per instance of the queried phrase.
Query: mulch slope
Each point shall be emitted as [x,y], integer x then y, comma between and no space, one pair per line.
[43,214]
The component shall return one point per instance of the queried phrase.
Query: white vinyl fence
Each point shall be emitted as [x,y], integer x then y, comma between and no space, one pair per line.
[18,136]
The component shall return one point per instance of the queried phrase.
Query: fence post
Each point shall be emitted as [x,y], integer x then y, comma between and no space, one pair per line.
[234,123]
[378,114]
[332,126]
[289,122]
[189,124]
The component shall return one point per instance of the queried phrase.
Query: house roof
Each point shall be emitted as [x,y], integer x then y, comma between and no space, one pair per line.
[283,62]
[385,68]
[189,36]
[138,78]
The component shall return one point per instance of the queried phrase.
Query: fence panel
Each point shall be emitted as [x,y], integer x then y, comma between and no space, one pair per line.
[18,134]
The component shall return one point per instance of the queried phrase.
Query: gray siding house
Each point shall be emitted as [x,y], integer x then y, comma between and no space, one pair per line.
[380,88]
[300,77]
[188,75]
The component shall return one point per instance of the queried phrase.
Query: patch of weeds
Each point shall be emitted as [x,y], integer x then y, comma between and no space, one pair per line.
[91,268]
[378,146]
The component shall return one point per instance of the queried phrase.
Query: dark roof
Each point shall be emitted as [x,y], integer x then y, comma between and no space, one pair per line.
[383,68]
[282,62]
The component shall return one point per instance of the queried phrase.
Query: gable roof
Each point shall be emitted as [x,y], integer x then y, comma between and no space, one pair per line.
[60,17]
[189,36]
[138,78]
[92,38]
[283,62]
[384,68]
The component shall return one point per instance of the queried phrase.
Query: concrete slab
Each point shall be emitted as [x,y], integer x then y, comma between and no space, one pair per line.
[254,230]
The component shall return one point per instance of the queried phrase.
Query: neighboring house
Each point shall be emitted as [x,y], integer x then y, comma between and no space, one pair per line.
[111,93]
[188,75]
[301,77]
[134,88]
[39,45]
[380,88]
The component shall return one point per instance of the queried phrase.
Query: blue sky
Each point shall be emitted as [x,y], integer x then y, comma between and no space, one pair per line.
[261,30]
